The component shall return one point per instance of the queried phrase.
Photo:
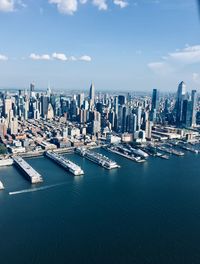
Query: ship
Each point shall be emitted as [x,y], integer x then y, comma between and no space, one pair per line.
[139,152]
[97,158]
[65,163]
[6,162]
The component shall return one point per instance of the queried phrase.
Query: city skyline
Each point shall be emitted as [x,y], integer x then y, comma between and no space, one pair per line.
[71,43]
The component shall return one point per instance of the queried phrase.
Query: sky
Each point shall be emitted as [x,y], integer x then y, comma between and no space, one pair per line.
[120,45]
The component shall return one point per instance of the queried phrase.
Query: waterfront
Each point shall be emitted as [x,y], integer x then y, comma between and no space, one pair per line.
[139,213]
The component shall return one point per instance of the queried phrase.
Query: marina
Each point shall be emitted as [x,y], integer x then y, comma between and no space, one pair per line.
[31,174]
[97,158]
[65,163]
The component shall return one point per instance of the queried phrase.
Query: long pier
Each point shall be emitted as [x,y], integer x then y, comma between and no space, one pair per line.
[31,174]
[97,158]
[125,155]
[65,163]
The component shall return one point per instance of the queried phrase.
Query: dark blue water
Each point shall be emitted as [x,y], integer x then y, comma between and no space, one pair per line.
[139,214]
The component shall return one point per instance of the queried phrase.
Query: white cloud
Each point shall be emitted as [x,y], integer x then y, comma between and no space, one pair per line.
[7,5]
[177,59]
[85,58]
[68,7]
[101,4]
[59,56]
[34,56]
[3,57]
[121,3]
[10,5]
[55,56]
[190,54]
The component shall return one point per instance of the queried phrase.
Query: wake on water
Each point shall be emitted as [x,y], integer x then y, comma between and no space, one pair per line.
[37,189]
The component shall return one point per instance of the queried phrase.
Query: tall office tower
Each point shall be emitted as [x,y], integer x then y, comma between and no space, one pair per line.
[121,100]
[188,121]
[166,106]
[154,105]
[181,94]
[132,123]
[7,107]
[36,114]
[55,101]
[32,87]
[20,92]
[85,105]
[116,105]
[13,126]
[80,99]
[128,98]
[145,117]
[124,119]
[111,118]
[139,115]
[48,91]
[50,112]
[148,129]
[44,105]
[3,127]
[194,102]
[155,100]
[82,117]
[92,95]
[120,118]
[73,109]
[96,124]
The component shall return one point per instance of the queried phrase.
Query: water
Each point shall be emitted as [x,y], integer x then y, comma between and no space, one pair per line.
[140,214]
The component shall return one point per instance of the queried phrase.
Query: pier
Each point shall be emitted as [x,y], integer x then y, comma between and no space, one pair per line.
[97,158]
[124,153]
[65,163]
[32,175]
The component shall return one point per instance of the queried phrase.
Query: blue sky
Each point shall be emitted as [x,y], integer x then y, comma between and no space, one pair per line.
[118,44]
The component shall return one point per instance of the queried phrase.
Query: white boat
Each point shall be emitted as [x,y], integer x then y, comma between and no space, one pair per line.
[1,186]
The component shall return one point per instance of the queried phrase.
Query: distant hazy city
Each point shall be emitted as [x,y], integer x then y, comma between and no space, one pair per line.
[36,123]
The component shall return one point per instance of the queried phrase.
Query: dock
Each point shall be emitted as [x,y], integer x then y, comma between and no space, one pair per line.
[65,163]
[31,174]
[97,158]
[125,154]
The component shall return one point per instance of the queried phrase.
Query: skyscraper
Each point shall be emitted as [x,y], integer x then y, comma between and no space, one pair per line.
[80,99]
[154,105]
[92,95]
[181,93]
[194,102]
[155,99]
[32,87]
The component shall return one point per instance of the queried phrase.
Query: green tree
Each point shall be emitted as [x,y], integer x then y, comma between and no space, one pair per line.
[3,149]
